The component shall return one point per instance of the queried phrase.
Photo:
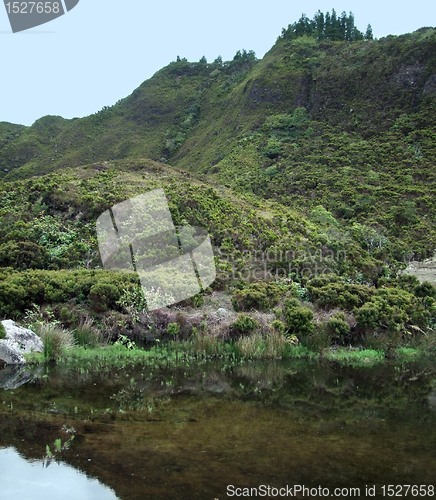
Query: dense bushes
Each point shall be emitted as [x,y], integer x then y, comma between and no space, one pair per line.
[394,310]
[260,296]
[23,255]
[337,326]
[244,324]
[18,291]
[103,295]
[331,291]
[299,320]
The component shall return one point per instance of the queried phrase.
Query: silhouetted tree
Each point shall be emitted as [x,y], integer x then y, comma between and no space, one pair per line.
[319,25]
[368,34]
[325,26]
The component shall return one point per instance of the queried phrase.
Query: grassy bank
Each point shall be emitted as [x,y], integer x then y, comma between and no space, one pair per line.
[199,350]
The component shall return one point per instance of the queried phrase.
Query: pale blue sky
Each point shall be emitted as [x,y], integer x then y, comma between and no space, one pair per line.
[102,50]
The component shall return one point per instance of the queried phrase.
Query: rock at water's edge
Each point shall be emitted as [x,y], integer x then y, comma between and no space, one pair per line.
[18,341]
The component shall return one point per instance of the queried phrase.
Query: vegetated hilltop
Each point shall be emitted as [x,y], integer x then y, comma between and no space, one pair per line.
[348,125]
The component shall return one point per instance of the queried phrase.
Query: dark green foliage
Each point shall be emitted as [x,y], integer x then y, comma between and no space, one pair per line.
[279,326]
[331,291]
[2,331]
[393,310]
[406,282]
[244,324]
[291,303]
[368,33]
[173,328]
[23,255]
[18,291]
[326,27]
[368,316]
[65,316]
[299,320]
[425,289]
[286,127]
[272,149]
[244,56]
[260,296]
[337,326]
[103,296]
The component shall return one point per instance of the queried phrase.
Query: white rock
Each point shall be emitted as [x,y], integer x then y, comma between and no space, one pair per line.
[18,341]
[221,312]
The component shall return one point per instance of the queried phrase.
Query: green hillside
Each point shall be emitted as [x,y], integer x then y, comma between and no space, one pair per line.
[321,154]
[344,124]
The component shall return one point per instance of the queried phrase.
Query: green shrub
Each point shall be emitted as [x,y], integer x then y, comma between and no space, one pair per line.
[260,296]
[272,149]
[278,313]
[2,331]
[173,328]
[337,326]
[278,326]
[103,296]
[406,282]
[65,315]
[23,255]
[367,316]
[19,290]
[291,303]
[330,292]
[394,310]
[425,289]
[245,324]
[299,320]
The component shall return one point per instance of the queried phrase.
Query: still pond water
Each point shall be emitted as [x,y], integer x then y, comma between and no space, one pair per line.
[190,432]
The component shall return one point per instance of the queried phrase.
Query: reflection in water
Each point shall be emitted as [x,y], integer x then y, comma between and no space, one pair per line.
[31,480]
[186,432]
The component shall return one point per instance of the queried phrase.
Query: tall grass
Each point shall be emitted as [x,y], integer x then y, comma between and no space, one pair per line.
[86,334]
[207,344]
[273,345]
[251,347]
[56,341]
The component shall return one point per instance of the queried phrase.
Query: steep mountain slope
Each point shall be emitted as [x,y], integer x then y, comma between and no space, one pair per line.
[346,125]
[360,87]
